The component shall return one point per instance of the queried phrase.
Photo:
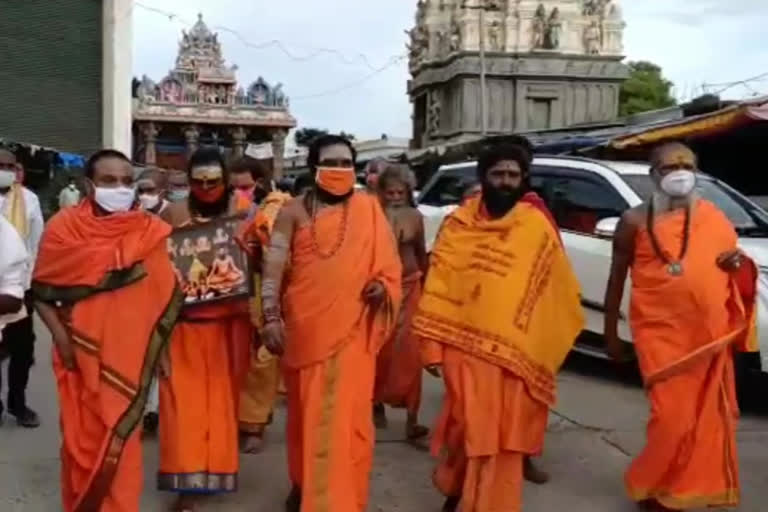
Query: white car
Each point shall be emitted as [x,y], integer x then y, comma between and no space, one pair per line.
[587,197]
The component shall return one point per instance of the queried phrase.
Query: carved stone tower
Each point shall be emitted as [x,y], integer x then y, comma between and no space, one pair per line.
[549,64]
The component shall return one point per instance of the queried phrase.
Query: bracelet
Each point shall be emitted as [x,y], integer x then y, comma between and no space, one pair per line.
[272,314]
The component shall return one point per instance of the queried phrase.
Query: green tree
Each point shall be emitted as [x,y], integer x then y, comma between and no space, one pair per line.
[347,136]
[305,136]
[645,89]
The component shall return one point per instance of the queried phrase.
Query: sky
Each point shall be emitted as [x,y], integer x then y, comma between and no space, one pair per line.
[342,62]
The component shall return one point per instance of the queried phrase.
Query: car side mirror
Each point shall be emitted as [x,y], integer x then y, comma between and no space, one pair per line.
[606,228]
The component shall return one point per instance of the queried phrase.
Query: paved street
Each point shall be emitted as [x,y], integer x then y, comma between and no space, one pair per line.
[596,427]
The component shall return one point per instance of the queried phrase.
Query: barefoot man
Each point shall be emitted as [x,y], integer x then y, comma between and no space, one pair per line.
[328,321]
[693,295]
[399,368]
[198,400]
[261,379]
[499,313]
[105,287]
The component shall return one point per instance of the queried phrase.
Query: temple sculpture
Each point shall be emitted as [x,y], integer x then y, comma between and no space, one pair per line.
[200,102]
[549,64]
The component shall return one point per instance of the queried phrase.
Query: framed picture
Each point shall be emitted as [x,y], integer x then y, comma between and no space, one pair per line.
[209,263]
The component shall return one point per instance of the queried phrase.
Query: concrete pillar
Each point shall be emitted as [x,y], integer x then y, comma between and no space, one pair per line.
[239,139]
[149,131]
[278,152]
[117,58]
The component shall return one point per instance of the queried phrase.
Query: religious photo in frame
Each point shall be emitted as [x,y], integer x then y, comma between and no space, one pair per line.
[209,263]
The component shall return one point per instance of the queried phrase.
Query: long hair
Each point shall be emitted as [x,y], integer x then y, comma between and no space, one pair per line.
[395,173]
[323,141]
[492,155]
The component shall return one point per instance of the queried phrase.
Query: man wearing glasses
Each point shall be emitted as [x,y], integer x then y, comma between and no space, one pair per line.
[693,298]
[328,318]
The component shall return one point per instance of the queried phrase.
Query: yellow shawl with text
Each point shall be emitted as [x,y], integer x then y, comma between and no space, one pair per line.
[504,290]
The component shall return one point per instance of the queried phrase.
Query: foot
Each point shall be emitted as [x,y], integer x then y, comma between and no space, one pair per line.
[293,503]
[654,506]
[451,504]
[251,443]
[151,422]
[414,431]
[533,474]
[26,417]
[380,416]
[184,503]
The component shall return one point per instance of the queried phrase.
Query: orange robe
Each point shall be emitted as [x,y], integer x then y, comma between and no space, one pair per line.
[260,371]
[399,366]
[114,278]
[685,329]
[332,339]
[500,311]
[198,402]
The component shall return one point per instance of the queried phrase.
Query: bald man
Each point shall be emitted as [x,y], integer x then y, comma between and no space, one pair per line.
[693,297]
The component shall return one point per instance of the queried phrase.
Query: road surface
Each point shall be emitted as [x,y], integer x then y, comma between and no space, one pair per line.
[596,427]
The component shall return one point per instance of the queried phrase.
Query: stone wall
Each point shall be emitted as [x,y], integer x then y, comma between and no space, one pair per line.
[549,64]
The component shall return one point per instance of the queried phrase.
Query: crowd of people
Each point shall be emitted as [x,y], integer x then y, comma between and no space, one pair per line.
[346,313]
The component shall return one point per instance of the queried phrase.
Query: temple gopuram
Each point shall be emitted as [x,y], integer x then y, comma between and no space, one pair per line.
[200,103]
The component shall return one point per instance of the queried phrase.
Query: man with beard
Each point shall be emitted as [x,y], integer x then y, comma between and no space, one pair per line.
[260,371]
[198,410]
[328,320]
[398,367]
[693,305]
[499,313]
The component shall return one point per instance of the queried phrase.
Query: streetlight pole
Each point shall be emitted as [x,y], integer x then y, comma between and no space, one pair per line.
[483,89]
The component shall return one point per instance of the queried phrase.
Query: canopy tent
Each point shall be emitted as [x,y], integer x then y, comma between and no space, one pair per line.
[704,125]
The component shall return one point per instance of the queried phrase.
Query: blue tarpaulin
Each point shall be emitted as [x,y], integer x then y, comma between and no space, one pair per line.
[71,160]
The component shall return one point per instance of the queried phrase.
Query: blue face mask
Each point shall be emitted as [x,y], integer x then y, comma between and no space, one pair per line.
[177,195]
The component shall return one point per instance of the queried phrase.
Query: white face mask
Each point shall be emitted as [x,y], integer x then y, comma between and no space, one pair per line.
[149,201]
[115,200]
[678,183]
[7,178]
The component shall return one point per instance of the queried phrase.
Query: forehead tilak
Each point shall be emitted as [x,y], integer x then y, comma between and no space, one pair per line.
[207,172]
[676,156]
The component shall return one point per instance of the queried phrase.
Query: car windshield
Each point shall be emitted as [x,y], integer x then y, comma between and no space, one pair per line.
[747,218]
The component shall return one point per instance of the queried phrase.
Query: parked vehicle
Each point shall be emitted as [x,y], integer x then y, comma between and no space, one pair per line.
[587,198]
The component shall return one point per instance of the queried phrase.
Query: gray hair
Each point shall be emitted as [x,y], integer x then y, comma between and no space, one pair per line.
[397,173]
